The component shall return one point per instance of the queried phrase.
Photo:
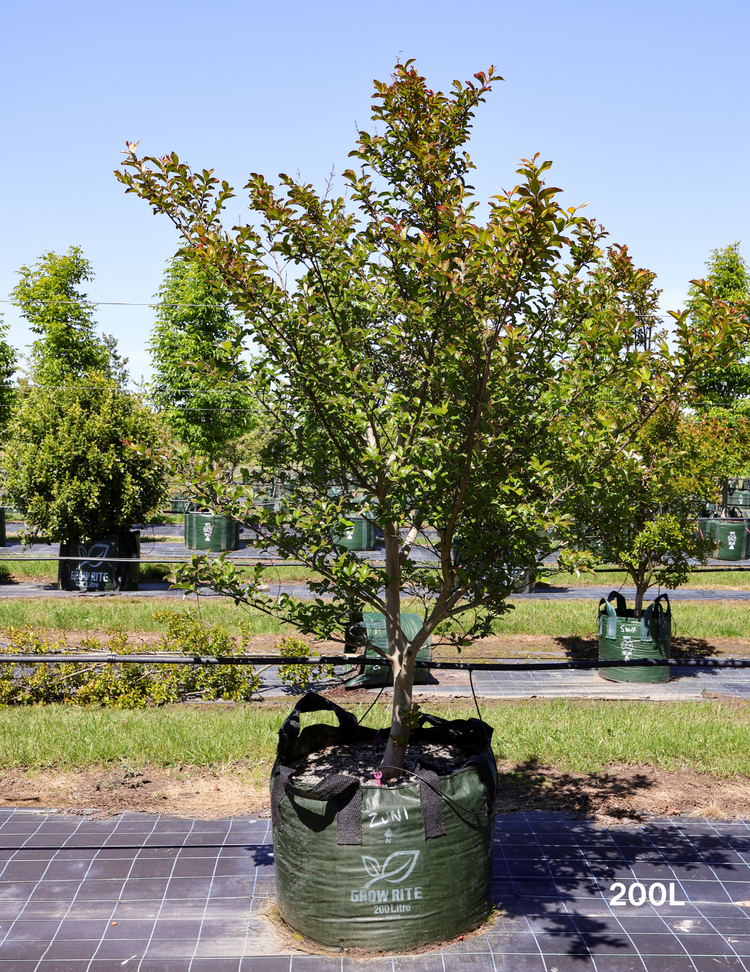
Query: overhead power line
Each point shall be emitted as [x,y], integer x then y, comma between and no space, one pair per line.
[113,303]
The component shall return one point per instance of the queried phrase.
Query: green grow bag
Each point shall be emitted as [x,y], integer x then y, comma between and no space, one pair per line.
[359,536]
[211,533]
[181,504]
[396,867]
[371,629]
[739,493]
[731,538]
[622,637]
[705,528]
[96,572]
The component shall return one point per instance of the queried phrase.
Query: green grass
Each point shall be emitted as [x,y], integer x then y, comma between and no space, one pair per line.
[576,619]
[134,614]
[21,571]
[584,737]
[159,519]
[691,619]
[698,579]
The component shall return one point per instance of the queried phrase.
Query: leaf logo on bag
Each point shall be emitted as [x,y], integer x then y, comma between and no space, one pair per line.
[627,647]
[208,529]
[395,868]
[96,552]
[731,540]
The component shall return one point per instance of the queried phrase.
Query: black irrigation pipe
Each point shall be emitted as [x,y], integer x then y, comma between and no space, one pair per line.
[173,658]
[97,559]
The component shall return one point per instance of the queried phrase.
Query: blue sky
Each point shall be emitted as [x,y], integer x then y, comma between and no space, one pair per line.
[642,106]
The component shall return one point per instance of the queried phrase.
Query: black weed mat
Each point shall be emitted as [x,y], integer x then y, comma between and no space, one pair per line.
[166,894]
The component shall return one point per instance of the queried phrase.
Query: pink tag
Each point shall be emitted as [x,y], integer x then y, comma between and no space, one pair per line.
[378,776]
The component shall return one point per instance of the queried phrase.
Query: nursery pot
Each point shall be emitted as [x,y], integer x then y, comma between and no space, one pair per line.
[359,536]
[212,533]
[96,572]
[181,504]
[623,637]
[731,537]
[393,867]
[369,631]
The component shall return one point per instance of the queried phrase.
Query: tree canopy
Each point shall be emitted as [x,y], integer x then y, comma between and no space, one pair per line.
[70,465]
[201,386]
[724,389]
[425,368]
[67,346]
[8,363]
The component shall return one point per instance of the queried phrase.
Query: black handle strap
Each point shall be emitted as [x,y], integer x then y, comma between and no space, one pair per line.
[622,605]
[346,790]
[656,619]
[311,702]
[431,804]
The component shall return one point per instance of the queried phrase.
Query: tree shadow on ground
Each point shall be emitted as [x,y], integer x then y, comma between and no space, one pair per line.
[587,648]
[530,786]
[578,647]
[557,877]
[683,647]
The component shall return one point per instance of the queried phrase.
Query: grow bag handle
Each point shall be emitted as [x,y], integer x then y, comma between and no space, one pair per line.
[311,702]
[656,620]
[345,789]
[612,613]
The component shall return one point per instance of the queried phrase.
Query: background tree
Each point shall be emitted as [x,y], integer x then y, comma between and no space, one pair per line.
[201,385]
[67,347]
[725,389]
[8,362]
[425,368]
[639,512]
[69,465]
[723,393]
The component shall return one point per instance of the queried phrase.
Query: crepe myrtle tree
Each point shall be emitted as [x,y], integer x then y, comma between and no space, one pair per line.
[639,511]
[425,367]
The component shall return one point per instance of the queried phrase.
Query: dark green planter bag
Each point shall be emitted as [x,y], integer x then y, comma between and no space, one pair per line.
[623,637]
[359,536]
[731,538]
[391,867]
[369,629]
[96,572]
[216,534]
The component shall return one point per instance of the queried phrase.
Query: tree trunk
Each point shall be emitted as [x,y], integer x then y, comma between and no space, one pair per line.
[639,595]
[402,665]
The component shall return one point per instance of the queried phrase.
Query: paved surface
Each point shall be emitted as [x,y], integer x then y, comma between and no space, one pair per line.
[542,593]
[173,551]
[546,592]
[159,894]
[686,683]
